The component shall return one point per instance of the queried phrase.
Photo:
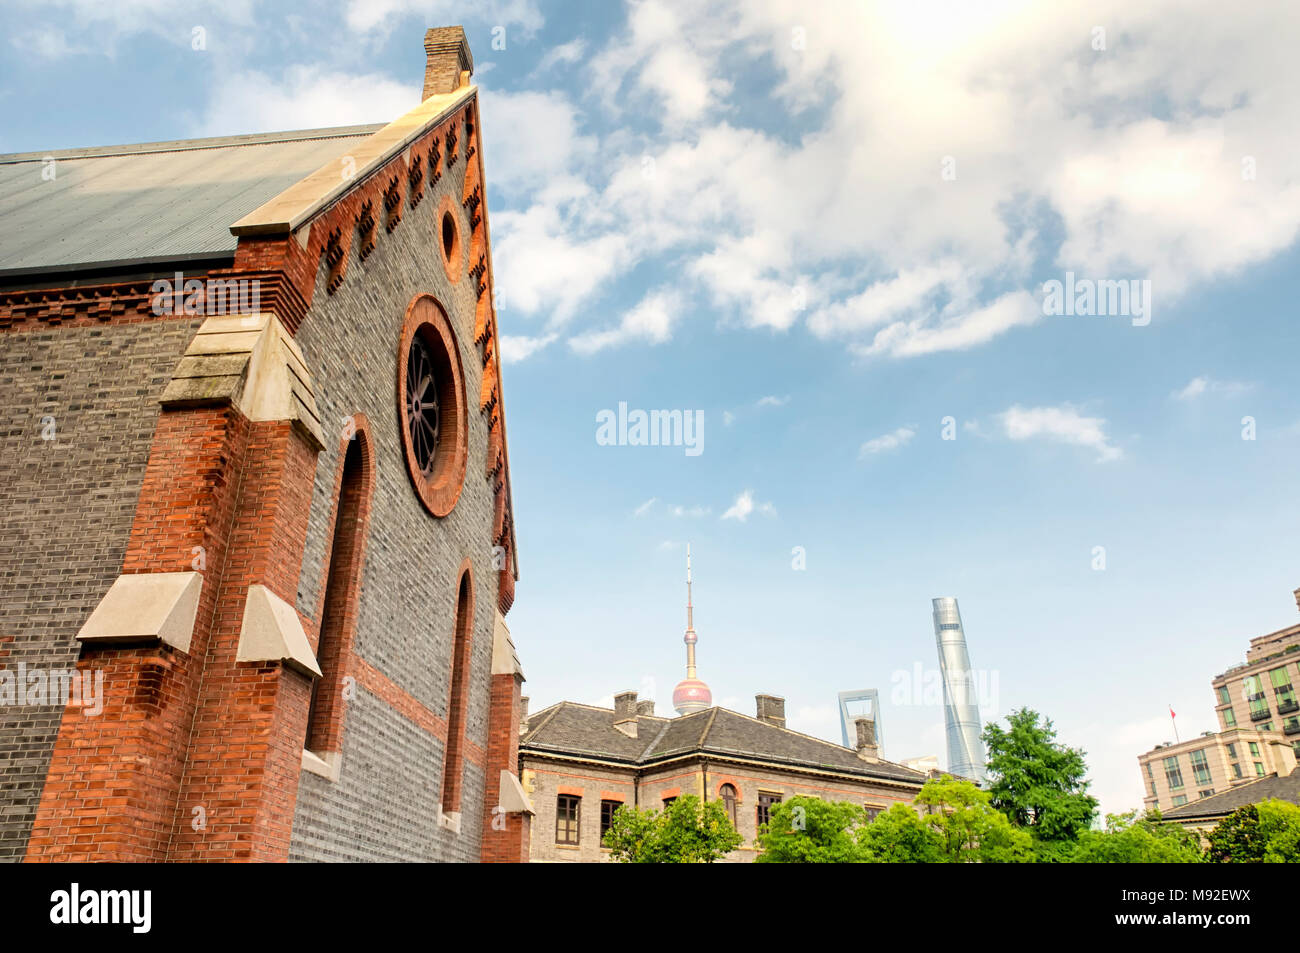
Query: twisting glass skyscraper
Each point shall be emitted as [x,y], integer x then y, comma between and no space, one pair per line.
[960,704]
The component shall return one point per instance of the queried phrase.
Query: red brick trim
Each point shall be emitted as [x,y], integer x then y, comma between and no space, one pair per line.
[406,705]
[340,587]
[570,790]
[735,784]
[458,695]
[670,792]
[613,796]
[440,491]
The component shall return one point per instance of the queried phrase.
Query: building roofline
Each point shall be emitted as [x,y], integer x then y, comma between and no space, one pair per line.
[1181,813]
[570,756]
[191,145]
[702,748]
[312,194]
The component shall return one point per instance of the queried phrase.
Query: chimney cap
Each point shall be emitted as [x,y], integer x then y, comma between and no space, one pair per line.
[449,39]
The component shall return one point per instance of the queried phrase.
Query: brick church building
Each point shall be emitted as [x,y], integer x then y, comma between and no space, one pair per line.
[255,507]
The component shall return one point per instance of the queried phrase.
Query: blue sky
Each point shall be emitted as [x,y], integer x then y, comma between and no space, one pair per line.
[827,226]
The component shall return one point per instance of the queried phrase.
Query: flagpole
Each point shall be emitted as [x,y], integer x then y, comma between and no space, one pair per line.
[1174,719]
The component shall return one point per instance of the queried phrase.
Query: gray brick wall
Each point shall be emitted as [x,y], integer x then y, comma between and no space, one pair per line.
[66,509]
[384,805]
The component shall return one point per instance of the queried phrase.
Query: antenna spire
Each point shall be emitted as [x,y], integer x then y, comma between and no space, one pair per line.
[691,694]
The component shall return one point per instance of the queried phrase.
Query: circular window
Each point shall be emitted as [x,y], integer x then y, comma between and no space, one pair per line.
[448,235]
[431,405]
[448,239]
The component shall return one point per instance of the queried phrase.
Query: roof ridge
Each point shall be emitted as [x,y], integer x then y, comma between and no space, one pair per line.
[194,145]
[709,727]
[555,709]
[821,741]
[1234,789]
[663,730]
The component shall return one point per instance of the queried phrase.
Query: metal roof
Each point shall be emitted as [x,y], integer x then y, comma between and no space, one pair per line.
[155,201]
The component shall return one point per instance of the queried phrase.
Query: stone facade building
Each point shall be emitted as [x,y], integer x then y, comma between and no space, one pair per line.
[1259,734]
[255,500]
[580,763]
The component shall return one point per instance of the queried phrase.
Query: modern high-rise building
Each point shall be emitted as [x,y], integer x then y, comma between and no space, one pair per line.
[960,703]
[848,716]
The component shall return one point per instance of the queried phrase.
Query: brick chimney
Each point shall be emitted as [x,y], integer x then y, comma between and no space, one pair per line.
[625,713]
[448,61]
[867,748]
[771,709]
[646,707]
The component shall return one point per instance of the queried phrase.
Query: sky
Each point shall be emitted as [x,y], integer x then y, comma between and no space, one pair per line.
[828,232]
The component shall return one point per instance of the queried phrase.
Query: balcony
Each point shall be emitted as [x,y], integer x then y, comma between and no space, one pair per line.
[1286,707]
[1291,728]
[1262,715]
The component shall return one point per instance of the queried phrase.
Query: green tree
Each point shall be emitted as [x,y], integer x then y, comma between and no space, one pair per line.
[1267,832]
[969,827]
[1129,840]
[899,836]
[1038,784]
[685,832]
[808,830]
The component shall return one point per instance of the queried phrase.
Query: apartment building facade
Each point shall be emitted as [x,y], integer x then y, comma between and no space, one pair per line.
[1259,737]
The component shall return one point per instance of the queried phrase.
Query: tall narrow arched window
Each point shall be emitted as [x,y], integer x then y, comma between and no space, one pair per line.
[458,701]
[338,610]
[728,793]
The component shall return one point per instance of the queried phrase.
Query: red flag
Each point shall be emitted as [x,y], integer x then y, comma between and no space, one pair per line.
[1171,712]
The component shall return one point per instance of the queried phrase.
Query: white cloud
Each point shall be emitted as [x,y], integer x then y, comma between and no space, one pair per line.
[538,136]
[545,265]
[772,401]
[957,333]
[728,418]
[1195,388]
[850,226]
[651,320]
[517,347]
[567,53]
[1198,386]
[745,505]
[366,16]
[885,442]
[656,62]
[690,512]
[306,97]
[644,508]
[1062,424]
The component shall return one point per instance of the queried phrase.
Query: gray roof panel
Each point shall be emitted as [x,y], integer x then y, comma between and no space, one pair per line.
[151,201]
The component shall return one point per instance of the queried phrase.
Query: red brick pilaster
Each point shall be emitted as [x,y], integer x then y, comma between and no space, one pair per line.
[505,836]
[111,789]
[241,782]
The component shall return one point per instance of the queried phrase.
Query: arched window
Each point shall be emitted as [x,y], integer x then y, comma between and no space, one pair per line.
[339,604]
[459,699]
[728,793]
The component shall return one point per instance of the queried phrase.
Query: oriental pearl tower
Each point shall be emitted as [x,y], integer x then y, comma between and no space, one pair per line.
[691,694]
